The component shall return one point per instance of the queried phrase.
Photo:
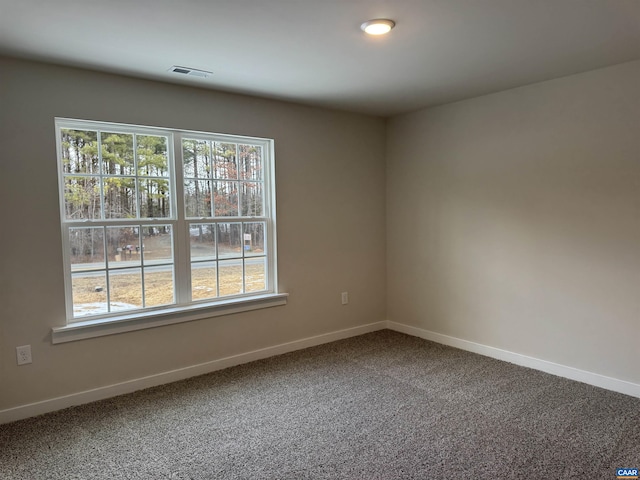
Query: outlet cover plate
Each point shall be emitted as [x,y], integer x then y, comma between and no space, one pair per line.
[23,354]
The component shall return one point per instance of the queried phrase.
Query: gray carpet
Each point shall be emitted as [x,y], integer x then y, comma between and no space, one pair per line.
[379,406]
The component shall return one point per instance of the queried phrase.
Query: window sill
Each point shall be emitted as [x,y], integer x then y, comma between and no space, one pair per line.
[138,321]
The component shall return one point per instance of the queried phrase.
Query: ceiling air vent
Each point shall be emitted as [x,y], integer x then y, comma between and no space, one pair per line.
[192,72]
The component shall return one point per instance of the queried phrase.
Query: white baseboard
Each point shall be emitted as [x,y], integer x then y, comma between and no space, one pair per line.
[571,373]
[79,398]
[101,393]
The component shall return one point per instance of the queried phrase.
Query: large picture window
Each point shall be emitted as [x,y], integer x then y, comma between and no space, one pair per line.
[160,220]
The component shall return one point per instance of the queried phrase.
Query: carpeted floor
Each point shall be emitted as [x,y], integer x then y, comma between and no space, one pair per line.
[380,406]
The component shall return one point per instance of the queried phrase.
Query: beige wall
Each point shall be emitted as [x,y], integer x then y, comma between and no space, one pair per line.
[331,237]
[513,220]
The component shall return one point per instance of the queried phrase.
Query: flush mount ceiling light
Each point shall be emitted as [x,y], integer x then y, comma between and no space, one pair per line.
[379,26]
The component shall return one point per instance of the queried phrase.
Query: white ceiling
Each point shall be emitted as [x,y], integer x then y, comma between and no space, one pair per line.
[313,51]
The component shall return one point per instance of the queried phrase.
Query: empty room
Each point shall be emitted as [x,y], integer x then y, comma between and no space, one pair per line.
[359,239]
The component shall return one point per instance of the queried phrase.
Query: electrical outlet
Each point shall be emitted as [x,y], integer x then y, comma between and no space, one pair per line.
[23,354]
[345,298]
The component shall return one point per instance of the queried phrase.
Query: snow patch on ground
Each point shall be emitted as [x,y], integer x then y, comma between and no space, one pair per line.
[97,308]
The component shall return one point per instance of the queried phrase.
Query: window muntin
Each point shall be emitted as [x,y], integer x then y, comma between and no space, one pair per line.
[112,269]
[111,175]
[140,204]
[227,258]
[222,179]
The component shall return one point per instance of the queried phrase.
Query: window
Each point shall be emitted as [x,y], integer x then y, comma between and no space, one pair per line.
[157,220]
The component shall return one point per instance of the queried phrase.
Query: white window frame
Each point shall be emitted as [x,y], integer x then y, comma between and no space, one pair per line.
[184,309]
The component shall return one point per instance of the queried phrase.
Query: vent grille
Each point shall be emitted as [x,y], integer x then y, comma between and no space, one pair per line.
[192,72]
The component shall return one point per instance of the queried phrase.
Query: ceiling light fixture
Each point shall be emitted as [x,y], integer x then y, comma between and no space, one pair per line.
[379,26]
